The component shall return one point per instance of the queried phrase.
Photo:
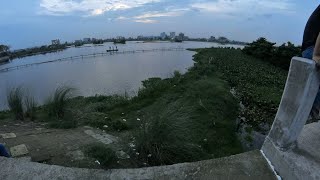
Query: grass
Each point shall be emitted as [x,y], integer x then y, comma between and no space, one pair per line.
[259,85]
[105,156]
[158,143]
[15,102]
[57,103]
[4,115]
[30,107]
[181,119]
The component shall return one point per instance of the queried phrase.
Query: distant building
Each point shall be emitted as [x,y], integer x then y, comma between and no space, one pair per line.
[86,40]
[55,42]
[172,35]
[163,36]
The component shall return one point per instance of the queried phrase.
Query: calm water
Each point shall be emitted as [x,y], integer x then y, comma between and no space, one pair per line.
[112,74]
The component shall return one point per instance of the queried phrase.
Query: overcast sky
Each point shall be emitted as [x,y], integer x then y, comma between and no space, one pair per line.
[26,23]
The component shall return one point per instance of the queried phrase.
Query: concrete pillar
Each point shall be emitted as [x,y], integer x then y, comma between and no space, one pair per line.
[299,94]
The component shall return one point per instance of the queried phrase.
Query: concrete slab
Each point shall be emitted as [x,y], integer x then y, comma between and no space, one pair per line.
[8,135]
[309,140]
[102,137]
[19,150]
[250,165]
[53,146]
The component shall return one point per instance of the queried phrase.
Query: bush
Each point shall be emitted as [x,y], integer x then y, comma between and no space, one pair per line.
[4,115]
[103,154]
[57,103]
[15,102]
[119,125]
[153,87]
[68,122]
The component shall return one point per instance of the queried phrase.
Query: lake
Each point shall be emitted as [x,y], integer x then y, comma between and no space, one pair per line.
[107,75]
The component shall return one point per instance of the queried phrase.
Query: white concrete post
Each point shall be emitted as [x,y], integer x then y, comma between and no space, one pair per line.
[299,94]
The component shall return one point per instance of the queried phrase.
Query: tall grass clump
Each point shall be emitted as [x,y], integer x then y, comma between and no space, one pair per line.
[15,102]
[56,104]
[30,106]
[161,142]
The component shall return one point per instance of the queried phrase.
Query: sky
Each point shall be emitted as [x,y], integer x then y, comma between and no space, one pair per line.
[28,23]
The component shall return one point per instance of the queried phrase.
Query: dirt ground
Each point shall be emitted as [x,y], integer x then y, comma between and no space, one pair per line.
[56,146]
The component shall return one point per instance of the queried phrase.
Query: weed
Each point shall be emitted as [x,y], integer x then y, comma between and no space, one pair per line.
[119,125]
[158,143]
[4,115]
[30,107]
[15,102]
[68,122]
[57,103]
[106,156]
[249,138]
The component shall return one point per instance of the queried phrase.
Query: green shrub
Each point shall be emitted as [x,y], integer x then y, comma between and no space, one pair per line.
[119,125]
[15,102]
[95,119]
[4,115]
[68,122]
[57,103]
[153,87]
[106,156]
[177,74]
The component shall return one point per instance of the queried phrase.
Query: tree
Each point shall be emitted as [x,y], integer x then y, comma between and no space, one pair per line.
[4,48]
[279,56]
[261,48]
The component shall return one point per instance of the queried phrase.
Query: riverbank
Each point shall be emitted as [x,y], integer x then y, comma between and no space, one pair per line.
[184,118]
[21,53]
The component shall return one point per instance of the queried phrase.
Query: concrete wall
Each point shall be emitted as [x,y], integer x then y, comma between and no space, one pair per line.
[299,94]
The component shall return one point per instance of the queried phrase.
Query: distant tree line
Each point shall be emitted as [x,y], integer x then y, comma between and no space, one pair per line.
[277,55]
[4,50]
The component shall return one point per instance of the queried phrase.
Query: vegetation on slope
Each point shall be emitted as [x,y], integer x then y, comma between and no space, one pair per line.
[259,84]
[187,117]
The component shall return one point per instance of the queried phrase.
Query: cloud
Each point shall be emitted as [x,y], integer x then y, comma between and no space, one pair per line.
[89,7]
[149,17]
[97,12]
[244,7]
[147,21]
[121,18]
[157,14]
